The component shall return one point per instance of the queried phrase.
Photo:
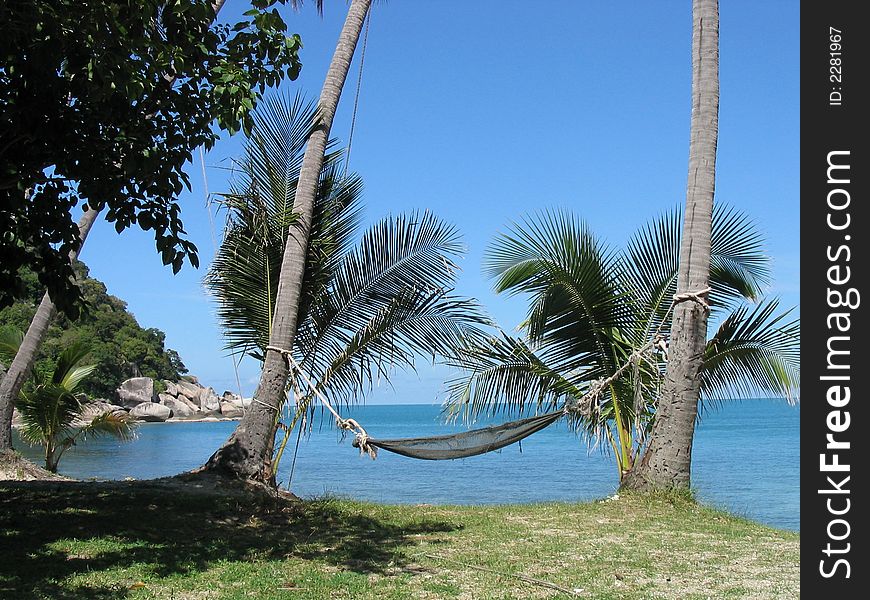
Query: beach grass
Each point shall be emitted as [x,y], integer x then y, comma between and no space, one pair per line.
[65,540]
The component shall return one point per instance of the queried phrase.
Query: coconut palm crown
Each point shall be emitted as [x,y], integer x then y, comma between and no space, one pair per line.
[370,303]
[591,308]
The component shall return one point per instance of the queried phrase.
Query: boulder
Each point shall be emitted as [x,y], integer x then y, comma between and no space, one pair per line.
[171,388]
[230,397]
[231,410]
[178,408]
[190,390]
[209,400]
[151,411]
[193,406]
[135,391]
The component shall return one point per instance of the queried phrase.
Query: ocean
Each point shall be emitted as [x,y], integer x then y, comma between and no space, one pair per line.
[746,461]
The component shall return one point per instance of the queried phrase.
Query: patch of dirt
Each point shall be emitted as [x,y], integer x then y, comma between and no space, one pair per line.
[14,467]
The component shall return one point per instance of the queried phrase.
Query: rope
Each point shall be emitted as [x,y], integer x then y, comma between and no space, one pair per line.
[694,297]
[362,60]
[361,439]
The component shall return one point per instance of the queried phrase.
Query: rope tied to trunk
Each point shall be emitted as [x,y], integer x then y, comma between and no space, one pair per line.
[361,437]
[697,296]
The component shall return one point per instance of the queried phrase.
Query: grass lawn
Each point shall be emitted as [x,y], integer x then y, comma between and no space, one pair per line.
[65,540]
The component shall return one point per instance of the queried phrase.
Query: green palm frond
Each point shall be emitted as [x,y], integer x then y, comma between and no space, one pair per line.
[753,352]
[10,341]
[95,422]
[47,412]
[407,254]
[389,301]
[503,374]
[245,272]
[410,325]
[570,278]
[739,268]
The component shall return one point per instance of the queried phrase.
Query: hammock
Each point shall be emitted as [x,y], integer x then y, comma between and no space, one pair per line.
[464,444]
[487,439]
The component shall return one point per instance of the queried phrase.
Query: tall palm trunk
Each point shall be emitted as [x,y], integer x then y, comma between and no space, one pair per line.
[247,454]
[668,458]
[26,355]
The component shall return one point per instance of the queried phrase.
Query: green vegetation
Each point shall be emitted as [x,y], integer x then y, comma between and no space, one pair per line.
[51,413]
[142,540]
[593,310]
[105,102]
[119,347]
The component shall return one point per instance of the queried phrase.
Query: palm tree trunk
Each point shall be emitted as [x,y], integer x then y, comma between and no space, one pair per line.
[668,458]
[26,355]
[247,454]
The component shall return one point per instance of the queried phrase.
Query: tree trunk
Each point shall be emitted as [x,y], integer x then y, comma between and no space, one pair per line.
[247,454]
[668,458]
[26,356]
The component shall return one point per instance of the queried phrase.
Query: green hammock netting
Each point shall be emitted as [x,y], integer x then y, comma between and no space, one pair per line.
[466,443]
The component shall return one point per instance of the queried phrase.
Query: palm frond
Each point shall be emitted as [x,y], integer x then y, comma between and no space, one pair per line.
[412,324]
[244,275]
[503,374]
[570,278]
[94,421]
[739,268]
[407,254]
[753,352]
[68,370]
[47,411]
[10,341]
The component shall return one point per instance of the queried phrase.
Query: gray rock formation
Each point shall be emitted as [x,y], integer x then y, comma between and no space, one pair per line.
[151,411]
[231,410]
[136,391]
[178,407]
[190,390]
[208,400]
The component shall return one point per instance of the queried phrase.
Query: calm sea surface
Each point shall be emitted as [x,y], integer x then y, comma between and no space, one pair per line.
[746,460]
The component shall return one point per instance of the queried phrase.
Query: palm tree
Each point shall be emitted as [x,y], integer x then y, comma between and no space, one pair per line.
[366,308]
[247,453]
[592,310]
[668,459]
[51,413]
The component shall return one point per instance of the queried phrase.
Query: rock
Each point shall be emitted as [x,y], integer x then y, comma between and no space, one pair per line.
[101,405]
[230,397]
[190,390]
[171,388]
[151,411]
[136,391]
[194,407]
[208,400]
[231,410]
[178,408]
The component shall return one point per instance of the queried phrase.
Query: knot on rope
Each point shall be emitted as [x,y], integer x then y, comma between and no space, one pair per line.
[697,296]
[361,439]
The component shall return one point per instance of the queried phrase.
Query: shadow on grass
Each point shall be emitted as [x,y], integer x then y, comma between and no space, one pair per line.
[168,532]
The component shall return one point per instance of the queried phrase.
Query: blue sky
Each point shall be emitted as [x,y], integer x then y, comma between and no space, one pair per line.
[486,111]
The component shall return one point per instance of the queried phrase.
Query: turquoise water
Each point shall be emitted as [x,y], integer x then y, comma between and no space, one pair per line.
[746,460]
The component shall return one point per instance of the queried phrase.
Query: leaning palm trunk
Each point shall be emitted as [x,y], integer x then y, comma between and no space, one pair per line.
[20,368]
[247,454]
[668,458]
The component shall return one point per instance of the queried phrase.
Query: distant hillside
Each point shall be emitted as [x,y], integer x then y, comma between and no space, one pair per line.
[120,347]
